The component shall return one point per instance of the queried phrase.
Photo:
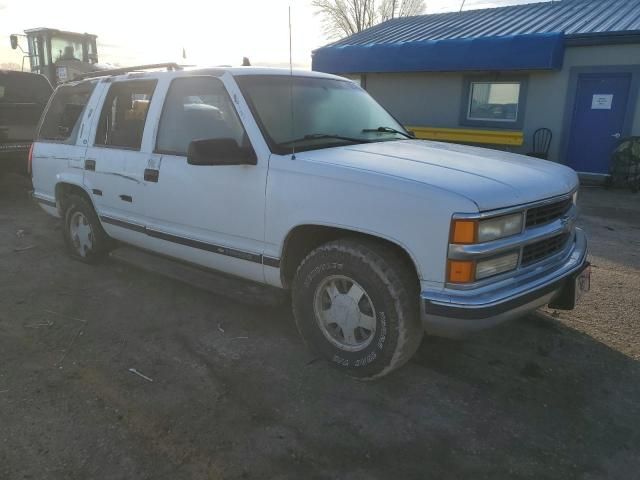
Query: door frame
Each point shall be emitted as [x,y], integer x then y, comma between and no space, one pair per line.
[572,94]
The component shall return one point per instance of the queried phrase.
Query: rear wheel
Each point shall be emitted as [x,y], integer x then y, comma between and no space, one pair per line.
[83,234]
[356,304]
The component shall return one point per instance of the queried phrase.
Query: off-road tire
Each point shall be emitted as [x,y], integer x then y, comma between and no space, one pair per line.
[101,242]
[393,289]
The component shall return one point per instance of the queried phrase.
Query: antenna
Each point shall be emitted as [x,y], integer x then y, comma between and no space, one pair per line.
[462,6]
[293,145]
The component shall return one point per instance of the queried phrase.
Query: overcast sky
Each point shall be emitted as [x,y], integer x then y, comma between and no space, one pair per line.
[212,33]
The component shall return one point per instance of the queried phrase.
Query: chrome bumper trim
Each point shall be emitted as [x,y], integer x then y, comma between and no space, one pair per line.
[468,310]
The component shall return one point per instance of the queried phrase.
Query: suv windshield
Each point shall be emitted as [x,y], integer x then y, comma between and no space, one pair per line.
[326,112]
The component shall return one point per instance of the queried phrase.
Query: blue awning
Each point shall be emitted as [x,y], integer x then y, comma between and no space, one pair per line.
[542,51]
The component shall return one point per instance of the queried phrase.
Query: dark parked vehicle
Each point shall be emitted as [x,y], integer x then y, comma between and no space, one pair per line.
[23,97]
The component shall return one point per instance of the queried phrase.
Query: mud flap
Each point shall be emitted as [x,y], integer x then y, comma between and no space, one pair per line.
[574,287]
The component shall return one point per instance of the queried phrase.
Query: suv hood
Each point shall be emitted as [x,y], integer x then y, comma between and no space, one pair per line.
[490,178]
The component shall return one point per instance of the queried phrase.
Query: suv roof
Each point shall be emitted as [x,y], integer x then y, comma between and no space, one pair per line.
[217,71]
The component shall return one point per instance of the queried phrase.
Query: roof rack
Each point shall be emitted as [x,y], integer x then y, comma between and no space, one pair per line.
[136,68]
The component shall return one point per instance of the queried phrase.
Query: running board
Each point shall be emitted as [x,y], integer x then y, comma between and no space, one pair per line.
[217,283]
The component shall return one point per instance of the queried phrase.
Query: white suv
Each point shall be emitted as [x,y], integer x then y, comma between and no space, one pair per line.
[301,181]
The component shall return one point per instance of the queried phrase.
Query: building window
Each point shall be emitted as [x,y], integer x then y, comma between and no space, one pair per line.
[493,103]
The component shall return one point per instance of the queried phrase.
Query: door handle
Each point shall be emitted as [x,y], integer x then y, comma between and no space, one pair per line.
[151,175]
[126,198]
[90,164]
[616,135]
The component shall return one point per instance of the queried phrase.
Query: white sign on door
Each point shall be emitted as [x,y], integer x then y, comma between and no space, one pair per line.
[602,101]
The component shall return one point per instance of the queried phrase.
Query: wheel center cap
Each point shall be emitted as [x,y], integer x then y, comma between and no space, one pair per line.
[346,310]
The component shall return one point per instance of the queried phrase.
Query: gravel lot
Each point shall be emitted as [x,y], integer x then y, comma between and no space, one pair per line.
[236,395]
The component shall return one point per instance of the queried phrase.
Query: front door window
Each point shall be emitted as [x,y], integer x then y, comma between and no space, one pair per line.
[197,108]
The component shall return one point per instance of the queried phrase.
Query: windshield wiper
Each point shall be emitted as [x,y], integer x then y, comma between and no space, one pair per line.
[389,130]
[317,136]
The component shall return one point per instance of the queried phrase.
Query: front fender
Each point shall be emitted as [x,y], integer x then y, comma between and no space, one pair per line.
[412,215]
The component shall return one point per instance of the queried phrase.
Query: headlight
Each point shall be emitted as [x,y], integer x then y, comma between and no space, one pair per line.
[474,231]
[499,227]
[496,265]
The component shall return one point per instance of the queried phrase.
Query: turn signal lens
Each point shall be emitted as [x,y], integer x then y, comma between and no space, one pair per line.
[464,231]
[461,271]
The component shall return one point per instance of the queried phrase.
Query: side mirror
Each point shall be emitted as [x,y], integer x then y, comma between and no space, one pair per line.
[14,41]
[220,151]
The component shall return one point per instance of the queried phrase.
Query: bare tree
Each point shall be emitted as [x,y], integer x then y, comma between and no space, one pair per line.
[346,17]
[400,8]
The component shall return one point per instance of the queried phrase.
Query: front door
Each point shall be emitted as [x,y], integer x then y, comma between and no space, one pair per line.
[209,215]
[598,120]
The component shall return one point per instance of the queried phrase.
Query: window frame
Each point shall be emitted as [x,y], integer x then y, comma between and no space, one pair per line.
[467,85]
[158,151]
[37,136]
[102,105]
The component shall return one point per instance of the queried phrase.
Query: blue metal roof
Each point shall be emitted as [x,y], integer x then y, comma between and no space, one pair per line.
[519,37]
[540,51]
[571,17]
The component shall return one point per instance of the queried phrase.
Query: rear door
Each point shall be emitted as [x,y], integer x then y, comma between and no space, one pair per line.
[111,160]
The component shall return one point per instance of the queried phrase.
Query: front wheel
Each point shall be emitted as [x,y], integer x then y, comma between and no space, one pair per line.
[356,303]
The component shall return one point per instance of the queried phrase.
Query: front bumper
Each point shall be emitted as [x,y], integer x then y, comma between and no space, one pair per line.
[452,313]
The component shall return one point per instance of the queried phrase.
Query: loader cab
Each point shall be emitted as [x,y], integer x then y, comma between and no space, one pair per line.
[61,56]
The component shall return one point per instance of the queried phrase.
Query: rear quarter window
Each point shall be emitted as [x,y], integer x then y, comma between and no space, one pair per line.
[61,122]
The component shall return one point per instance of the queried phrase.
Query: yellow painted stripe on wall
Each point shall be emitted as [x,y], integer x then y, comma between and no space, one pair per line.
[490,137]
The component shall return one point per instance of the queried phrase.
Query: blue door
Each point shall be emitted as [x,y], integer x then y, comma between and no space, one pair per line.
[598,120]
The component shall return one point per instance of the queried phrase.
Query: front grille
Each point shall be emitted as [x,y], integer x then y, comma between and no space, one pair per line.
[544,248]
[547,213]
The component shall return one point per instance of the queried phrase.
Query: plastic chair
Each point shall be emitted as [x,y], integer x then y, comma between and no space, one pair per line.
[541,143]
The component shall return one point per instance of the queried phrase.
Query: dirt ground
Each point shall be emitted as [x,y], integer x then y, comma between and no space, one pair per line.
[236,395]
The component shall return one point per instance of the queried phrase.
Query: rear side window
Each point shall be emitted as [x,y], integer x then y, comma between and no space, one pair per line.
[124,113]
[197,108]
[62,119]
